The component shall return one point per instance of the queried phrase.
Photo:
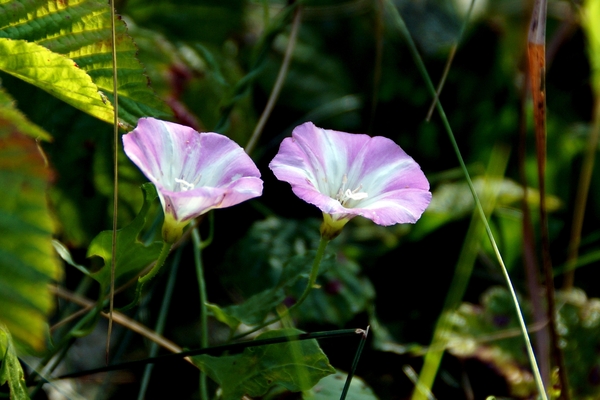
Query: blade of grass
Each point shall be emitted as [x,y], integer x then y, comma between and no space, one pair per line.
[449,61]
[113,33]
[401,26]
[278,82]
[536,49]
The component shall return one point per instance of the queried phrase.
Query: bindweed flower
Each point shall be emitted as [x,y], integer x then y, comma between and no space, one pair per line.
[346,175]
[193,172]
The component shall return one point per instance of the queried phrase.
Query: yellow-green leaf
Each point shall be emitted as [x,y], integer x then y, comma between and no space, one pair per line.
[54,73]
[81,31]
[591,27]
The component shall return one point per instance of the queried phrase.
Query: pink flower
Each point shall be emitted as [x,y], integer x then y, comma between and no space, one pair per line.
[193,172]
[346,175]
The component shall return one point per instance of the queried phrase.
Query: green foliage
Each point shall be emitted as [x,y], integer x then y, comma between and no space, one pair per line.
[10,368]
[27,259]
[277,249]
[55,74]
[81,33]
[132,255]
[579,327]
[296,365]
[8,112]
[478,331]
[489,333]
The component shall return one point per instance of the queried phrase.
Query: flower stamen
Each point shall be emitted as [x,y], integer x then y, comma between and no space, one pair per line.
[344,195]
[184,185]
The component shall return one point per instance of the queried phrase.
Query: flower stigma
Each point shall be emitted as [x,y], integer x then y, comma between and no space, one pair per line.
[344,195]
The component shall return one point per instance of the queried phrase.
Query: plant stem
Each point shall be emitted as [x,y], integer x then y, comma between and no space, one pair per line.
[361,345]
[113,34]
[278,82]
[203,300]
[162,318]
[314,272]
[164,253]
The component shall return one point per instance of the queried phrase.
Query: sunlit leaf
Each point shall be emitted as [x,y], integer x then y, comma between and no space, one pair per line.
[80,30]
[132,255]
[297,366]
[28,262]
[10,368]
[54,73]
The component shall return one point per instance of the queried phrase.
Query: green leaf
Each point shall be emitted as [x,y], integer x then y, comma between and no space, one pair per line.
[132,255]
[28,262]
[10,368]
[54,73]
[8,112]
[81,32]
[297,366]
[251,312]
[330,388]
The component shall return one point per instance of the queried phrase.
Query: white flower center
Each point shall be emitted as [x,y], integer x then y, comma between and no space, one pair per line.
[184,185]
[344,195]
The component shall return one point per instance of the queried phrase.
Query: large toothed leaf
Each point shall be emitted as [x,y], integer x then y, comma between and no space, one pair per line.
[295,365]
[80,30]
[28,262]
[54,73]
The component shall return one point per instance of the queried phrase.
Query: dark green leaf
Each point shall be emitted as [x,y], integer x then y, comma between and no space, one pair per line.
[297,366]
[132,255]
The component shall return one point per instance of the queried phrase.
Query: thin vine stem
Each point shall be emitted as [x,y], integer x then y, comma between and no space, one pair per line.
[399,22]
[314,272]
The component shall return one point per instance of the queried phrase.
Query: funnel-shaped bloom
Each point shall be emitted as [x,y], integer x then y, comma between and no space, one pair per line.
[352,174]
[193,172]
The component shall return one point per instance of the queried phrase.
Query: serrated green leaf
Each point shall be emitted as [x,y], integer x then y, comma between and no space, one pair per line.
[297,366]
[330,388]
[132,255]
[80,30]
[28,262]
[54,73]
[10,368]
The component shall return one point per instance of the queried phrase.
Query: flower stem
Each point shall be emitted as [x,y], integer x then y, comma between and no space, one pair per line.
[159,263]
[203,300]
[162,319]
[314,272]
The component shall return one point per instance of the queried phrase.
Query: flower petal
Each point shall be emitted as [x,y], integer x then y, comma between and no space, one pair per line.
[352,174]
[193,172]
